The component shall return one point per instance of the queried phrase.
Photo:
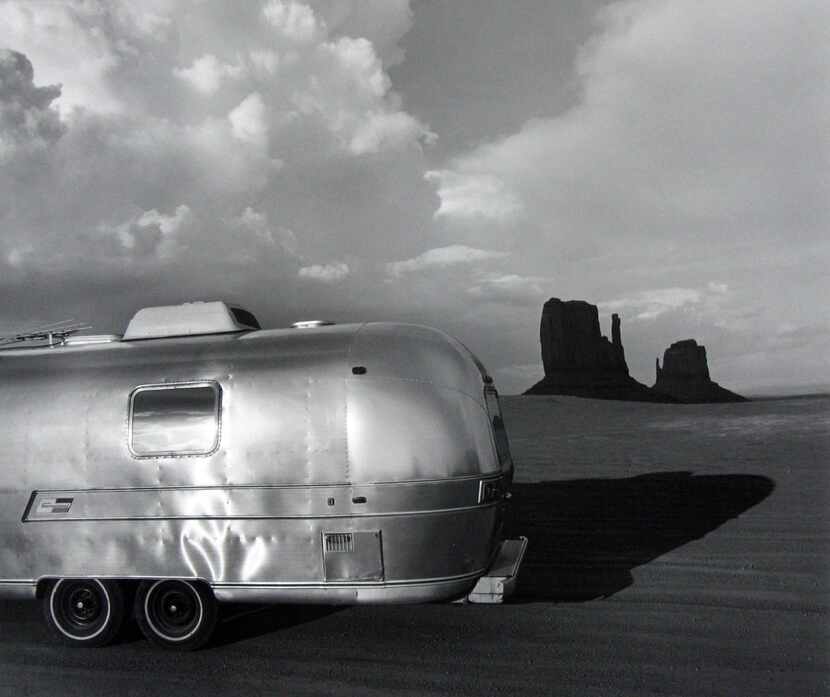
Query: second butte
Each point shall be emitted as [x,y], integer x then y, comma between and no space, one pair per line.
[685,376]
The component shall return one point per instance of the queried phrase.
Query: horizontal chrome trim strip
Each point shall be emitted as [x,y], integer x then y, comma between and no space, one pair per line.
[406,482]
[245,503]
[439,591]
[351,584]
[342,516]
[283,584]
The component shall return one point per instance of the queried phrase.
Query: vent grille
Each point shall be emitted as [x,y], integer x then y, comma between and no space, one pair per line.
[339,542]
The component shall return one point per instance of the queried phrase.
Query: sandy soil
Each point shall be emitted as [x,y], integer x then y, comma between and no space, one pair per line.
[674,551]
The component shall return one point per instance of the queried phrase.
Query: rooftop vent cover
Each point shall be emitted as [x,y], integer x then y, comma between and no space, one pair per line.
[189,319]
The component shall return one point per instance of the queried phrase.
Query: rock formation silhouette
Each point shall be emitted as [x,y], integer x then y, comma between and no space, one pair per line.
[685,376]
[580,361]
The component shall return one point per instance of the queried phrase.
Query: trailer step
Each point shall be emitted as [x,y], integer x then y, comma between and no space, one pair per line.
[500,580]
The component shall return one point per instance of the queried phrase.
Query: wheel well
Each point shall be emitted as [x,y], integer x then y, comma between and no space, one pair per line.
[129,585]
[42,586]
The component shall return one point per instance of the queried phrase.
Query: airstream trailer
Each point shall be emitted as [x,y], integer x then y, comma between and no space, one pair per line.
[198,458]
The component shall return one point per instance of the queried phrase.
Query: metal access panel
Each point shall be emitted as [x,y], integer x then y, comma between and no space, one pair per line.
[353,556]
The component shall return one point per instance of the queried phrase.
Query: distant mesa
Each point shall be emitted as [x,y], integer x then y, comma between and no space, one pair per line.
[580,361]
[685,376]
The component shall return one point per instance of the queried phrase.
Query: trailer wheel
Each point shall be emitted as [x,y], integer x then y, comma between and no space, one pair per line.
[176,614]
[84,611]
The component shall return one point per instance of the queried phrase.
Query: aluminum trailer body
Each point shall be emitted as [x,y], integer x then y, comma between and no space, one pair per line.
[334,464]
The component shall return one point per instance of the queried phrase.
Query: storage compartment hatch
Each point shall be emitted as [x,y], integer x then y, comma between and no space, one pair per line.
[353,556]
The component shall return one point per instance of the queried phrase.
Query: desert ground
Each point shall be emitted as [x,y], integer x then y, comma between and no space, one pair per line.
[674,550]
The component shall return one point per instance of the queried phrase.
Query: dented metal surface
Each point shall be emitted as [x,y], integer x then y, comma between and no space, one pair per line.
[401,455]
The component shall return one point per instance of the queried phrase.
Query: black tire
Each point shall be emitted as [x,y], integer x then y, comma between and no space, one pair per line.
[84,611]
[175,614]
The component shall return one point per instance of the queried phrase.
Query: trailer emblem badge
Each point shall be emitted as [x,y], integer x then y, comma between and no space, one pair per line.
[58,505]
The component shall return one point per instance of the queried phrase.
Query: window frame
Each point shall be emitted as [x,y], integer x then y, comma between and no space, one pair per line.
[506,456]
[186,384]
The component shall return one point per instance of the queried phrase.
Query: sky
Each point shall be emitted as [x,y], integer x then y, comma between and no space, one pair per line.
[447,162]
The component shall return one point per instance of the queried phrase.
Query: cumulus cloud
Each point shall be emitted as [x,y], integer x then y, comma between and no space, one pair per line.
[207,73]
[293,20]
[325,273]
[256,222]
[191,152]
[248,121]
[672,142]
[650,304]
[150,232]
[442,257]
[510,289]
[116,57]
[474,195]
[27,119]
[349,94]
[382,22]
[88,46]
[380,130]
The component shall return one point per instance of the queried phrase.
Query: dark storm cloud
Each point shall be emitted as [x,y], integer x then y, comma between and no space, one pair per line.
[27,119]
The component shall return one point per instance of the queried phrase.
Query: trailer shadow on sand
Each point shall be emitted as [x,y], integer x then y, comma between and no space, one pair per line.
[239,622]
[586,535]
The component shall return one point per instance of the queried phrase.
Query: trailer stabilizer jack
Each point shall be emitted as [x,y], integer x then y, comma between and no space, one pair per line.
[500,580]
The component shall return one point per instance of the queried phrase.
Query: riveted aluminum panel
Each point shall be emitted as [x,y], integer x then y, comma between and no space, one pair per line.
[415,353]
[401,430]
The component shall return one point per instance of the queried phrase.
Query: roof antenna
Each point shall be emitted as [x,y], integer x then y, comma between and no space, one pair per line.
[53,334]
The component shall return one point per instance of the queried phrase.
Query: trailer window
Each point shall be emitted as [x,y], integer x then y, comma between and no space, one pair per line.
[178,419]
[499,431]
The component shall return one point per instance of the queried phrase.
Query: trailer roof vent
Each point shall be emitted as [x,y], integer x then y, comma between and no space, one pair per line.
[189,319]
[311,323]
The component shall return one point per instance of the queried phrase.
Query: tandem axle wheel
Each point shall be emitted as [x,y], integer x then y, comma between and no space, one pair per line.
[171,613]
[176,614]
[84,611]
